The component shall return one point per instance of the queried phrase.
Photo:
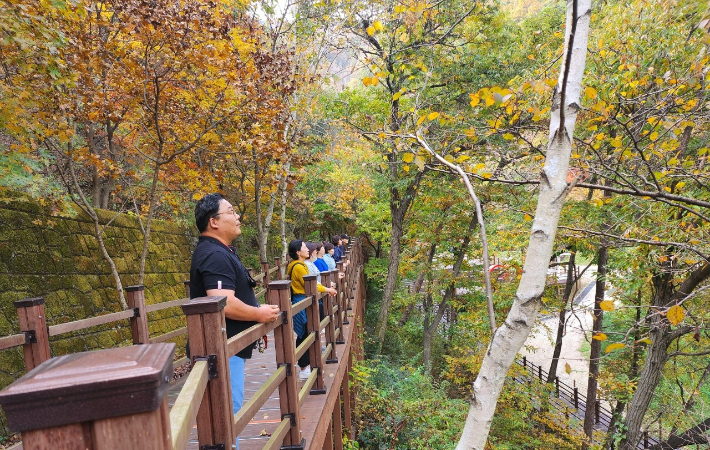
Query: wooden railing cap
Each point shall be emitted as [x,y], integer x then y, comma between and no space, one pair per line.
[201,305]
[137,287]
[89,386]
[27,302]
[280,284]
[309,277]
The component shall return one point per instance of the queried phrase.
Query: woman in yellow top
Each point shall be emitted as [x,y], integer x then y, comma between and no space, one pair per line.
[298,251]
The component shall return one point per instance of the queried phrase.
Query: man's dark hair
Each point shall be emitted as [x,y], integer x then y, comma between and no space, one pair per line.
[329,247]
[293,248]
[206,208]
[336,240]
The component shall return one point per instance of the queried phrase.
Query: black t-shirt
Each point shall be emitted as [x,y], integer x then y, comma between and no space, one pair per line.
[214,262]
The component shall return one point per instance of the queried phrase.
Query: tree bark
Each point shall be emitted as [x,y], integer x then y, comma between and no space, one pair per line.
[430,326]
[596,345]
[569,284]
[511,335]
[148,220]
[398,208]
[662,335]
[695,435]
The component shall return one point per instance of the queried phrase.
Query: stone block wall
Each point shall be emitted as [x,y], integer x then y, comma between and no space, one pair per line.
[58,258]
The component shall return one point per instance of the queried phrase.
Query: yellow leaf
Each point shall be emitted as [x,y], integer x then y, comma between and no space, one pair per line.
[599,337]
[590,92]
[421,119]
[675,314]
[568,368]
[508,137]
[528,217]
[419,161]
[381,135]
[408,157]
[432,116]
[374,81]
[399,9]
[475,100]
[645,341]
[462,158]
[406,168]
[378,25]
[654,136]
[367,81]
[616,346]
[396,96]
[370,30]
[607,305]
[486,175]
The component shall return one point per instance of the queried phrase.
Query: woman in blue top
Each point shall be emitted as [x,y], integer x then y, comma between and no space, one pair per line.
[319,262]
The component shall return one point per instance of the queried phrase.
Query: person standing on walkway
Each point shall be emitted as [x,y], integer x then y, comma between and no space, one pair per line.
[297,268]
[216,270]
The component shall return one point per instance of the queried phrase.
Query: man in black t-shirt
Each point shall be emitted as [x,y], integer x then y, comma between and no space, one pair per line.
[216,270]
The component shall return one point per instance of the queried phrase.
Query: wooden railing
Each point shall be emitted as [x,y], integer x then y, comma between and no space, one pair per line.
[206,395]
[34,333]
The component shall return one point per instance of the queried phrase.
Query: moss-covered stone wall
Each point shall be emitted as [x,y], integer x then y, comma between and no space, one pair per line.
[58,258]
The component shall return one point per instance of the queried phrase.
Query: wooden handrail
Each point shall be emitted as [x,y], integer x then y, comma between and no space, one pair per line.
[300,306]
[277,438]
[184,411]
[55,330]
[167,336]
[306,388]
[247,411]
[301,349]
[12,341]
[240,341]
[165,305]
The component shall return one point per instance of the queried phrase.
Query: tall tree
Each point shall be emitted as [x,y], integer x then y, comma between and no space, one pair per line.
[553,188]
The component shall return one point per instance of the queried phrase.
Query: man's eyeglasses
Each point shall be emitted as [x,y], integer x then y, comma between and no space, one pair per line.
[229,211]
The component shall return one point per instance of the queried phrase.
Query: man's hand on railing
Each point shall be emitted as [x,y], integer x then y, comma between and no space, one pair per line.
[267,313]
[331,291]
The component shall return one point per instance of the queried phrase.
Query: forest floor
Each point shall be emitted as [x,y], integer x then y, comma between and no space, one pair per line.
[541,343]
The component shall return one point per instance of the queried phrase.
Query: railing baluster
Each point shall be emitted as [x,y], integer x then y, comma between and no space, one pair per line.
[313,326]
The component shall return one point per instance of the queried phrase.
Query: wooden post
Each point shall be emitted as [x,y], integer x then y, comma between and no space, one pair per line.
[285,347]
[313,327]
[328,443]
[330,328]
[338,423]
[267,277]
[33,323]
[187,288]
[343,297]
[100,400]
[539,372]
[596,411]
[279,273]
[525,362]
[207,332]
[347,408]
[139,322]
[339,301]
[557,386]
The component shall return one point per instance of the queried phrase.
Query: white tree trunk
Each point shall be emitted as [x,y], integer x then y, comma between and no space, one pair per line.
[510,336]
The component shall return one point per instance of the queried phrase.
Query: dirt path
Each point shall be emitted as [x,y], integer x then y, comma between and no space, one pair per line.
[541,343]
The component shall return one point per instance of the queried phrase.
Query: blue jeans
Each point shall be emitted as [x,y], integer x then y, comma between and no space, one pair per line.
[236,374]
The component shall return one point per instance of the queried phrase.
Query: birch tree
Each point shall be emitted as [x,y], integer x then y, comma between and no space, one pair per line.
[553,189]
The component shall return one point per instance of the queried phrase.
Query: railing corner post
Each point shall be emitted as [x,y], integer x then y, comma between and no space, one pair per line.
[207,334]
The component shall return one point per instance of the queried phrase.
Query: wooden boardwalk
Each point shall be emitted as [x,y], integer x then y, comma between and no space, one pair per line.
[258,370]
